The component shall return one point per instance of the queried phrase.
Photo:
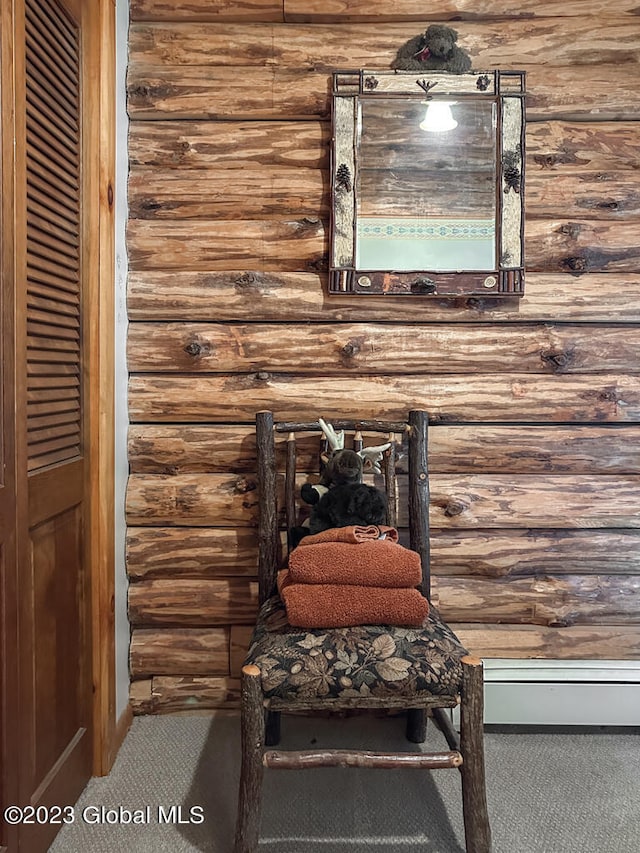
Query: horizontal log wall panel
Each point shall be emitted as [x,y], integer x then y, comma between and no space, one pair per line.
[553,147]
[301,298]
[201,92]
[519,43]
[192,499]
[240,144]
[179,651]
[367,349]
[240,639]
[364,10]
[242,194]
[455,11]
[167,449]
[489,500]
[498,553]
[171,694]
[282,244]
[553,601]
[578,642]
[186,602]
[273,191]
[191,552]
[494,398]
[301,244]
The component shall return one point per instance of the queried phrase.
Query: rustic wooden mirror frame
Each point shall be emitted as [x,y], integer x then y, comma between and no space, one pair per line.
[506,89]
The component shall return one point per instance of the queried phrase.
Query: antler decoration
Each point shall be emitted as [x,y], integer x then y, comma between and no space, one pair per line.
[335,439]
[371,456]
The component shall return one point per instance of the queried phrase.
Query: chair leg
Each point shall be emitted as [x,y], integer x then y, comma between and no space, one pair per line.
[272,734]
[474,796]
[252,769]
[416,725]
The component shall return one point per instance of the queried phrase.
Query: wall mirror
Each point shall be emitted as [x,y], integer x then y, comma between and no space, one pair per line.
[427,183]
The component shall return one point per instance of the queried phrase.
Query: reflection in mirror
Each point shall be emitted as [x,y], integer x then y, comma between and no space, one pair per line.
[427,183]
[425,192]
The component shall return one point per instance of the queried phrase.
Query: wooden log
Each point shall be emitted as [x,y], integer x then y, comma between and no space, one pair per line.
[577,642]
[206,10]
[482,500]
[192,603]
[179,651]
[171,694]
[581,246]
[498,398]
[321,11]
[301,297]
[519,43]
[586,195]
[304,759]
[164,499]
[557,147]
[168,449]
[381,349]
[553,147]
[201,92]
[190,552]
[238,145]
[292,244]
[230,194]
[552,601]
[499,553]
[572,246]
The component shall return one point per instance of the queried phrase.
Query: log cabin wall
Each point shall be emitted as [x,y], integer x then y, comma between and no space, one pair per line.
[535,403]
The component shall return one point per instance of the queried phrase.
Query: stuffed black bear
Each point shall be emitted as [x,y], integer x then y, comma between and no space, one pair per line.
[433,50]
[342,506]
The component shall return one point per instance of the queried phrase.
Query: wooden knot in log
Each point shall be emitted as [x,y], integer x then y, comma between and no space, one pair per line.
[195,349]
[546,160]
[263,376]
[575,264]
[571,229]
[246,279]
[244,484]
[556,359]
[455,507]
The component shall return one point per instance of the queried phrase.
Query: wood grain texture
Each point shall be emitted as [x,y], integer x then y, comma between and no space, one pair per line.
[517,43]
[179,651]
[186,602]
[555,602]
[483,500]
[201,92]
[297,296]
[301,245]
[206,10]
[168,449]
[190,552]
[227,398]
[381,349]
[316,11]
[577,642]
[170,694]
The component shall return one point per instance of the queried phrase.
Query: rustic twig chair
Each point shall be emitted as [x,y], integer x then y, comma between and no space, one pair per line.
[440,673]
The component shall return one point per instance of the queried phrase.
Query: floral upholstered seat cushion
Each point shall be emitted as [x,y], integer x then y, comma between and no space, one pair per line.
[361,662]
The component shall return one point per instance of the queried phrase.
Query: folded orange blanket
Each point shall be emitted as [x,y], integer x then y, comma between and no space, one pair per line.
[353,534]
[373,562]
[338,606]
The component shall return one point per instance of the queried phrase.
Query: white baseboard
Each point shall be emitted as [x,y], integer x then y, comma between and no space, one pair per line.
[562,693]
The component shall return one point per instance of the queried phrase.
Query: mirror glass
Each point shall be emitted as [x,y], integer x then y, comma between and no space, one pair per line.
[426,185]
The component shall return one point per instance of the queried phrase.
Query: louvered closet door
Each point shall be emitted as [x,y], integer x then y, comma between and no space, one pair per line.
[56,650]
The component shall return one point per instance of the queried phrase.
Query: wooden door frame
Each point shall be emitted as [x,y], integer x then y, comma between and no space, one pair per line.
[100,124]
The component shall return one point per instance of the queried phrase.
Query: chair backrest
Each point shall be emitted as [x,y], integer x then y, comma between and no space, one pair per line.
[280,460]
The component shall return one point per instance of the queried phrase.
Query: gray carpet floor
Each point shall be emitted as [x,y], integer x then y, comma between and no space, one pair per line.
[548,793]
